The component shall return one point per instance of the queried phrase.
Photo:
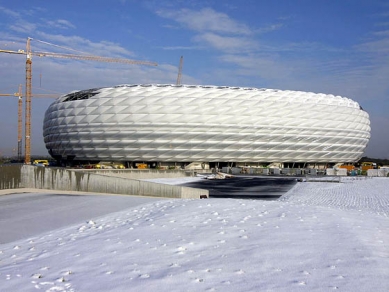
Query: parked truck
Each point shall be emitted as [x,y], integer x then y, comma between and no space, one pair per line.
[40,162]
[368,165]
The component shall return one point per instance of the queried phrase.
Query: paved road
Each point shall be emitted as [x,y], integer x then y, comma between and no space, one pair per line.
[29,214]
[247,187]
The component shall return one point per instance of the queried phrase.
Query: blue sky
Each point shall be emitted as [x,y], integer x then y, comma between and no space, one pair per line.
[324,46]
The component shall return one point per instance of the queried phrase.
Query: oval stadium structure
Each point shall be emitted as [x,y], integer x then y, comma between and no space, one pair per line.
[183,123]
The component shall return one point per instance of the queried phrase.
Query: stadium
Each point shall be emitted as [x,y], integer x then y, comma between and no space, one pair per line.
[183,124]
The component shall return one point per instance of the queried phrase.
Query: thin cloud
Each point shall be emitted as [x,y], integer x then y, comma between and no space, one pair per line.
[206,19]
[382,23]
[83,45]
[60,23]
[9,12]
[22,26]
[266,67]
[181,48]
[269,28]
[378,44]
[384,33]
[169,26]
[226,44]
[306,47]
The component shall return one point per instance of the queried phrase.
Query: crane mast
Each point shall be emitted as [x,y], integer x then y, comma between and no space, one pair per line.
[180,71]
[20,124]
[19,94]
[27,143]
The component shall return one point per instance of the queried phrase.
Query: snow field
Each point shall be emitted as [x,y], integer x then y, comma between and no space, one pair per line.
[368,195]
[319,237]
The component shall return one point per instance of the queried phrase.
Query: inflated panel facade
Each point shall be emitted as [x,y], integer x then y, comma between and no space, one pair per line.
[205,123]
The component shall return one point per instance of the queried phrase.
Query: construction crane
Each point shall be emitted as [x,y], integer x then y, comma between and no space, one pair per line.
[29,53]
[20,124]
[20,111]
[180,71]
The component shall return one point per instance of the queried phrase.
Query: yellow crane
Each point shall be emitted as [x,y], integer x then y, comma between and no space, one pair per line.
[180,71]
[29,53]
[20,124]
[20,111]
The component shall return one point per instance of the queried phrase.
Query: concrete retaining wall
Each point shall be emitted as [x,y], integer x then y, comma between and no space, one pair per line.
[27,176]
[143,173]
[10,177]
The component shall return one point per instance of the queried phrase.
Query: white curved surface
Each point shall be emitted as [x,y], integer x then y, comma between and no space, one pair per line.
[206,123]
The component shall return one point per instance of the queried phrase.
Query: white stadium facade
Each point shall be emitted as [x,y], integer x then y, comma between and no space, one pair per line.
[168,124]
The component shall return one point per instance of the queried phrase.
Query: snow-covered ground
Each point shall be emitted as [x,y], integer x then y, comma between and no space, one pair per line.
[24,215]
[318,237]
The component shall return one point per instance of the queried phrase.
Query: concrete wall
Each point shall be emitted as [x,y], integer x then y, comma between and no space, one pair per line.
[10,177]
[142,173]
[27,176]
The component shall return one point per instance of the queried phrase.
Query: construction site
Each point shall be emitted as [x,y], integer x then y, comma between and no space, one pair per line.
[26,98]
[297,167]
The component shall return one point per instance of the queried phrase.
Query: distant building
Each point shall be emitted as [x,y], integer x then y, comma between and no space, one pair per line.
[184,124]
